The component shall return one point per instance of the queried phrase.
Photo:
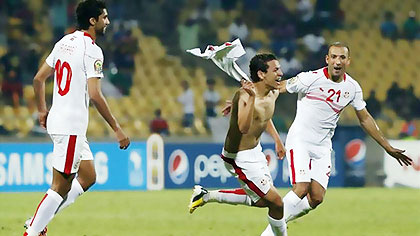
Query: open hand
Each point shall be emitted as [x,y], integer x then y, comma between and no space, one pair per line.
[400,156]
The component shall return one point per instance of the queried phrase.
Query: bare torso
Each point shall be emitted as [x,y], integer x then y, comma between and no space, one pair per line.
[263,112]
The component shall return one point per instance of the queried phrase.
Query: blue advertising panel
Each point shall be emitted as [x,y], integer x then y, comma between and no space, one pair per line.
[350,152]
[189,164]
[27,166]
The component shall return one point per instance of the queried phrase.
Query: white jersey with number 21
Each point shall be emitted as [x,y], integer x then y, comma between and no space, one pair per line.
[75,59]
[319,104]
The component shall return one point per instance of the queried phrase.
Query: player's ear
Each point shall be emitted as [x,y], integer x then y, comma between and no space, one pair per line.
[92,21]
[348,61]
[326,59]
[261,74]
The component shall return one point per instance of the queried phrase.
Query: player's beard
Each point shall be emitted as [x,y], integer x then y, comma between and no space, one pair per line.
[101,31]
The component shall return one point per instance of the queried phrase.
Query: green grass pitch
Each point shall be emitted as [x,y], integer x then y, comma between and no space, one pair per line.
[355,212]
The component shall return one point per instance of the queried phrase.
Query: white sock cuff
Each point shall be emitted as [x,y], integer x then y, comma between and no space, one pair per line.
[76,185]
[277,223]
[292,198]
[54,195]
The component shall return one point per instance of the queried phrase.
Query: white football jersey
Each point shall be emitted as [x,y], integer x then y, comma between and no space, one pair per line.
[319,104]
[75,58]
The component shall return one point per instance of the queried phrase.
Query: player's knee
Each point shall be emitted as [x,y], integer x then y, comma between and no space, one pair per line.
[301,189]
[87,182]
[61,189]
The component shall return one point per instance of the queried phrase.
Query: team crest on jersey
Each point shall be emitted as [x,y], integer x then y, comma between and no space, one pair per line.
[292,80]
[346,94]
[98,66]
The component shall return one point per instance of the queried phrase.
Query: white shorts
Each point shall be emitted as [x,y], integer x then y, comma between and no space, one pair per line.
[68,151]
[251,169]
[308,162]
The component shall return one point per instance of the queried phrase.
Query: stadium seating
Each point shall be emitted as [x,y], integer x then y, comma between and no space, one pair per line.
[376,63]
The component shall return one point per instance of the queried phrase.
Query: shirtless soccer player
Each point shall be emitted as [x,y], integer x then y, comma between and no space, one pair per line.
[252,110]
[76,62]
[322,95]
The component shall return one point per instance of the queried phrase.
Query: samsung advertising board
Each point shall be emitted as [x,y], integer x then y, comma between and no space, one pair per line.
[27,166]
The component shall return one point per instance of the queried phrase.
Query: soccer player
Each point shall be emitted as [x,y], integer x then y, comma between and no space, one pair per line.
[252,110]
[322,95]
[76,62]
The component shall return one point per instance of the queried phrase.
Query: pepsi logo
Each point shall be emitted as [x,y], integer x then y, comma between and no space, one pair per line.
[271,157]
[355,151]
[178,166]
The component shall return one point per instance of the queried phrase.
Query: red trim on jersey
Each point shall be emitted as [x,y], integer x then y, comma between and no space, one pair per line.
[33,218]
[242,176]
[70,154]
[310,163]
[292,166]
[325,70]
[90,36]
[323,100]
[238,191]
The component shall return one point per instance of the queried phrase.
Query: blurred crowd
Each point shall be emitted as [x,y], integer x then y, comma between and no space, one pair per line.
[29,29]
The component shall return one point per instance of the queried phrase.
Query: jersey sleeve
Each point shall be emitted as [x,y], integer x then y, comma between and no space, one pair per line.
[358,103]
[50,58]
[93,62]
[300,83]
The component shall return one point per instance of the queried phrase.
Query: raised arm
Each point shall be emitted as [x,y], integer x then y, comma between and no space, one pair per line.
[271,129]
[246,107]
[39,88]
[97,98]
[369,125]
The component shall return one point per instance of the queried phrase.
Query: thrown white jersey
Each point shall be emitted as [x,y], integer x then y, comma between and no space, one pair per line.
[75,59]
[319,104]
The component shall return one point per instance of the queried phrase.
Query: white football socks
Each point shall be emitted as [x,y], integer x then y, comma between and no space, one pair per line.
[230,196]
[294,207]
[278,227]
[75,191]
[45,212]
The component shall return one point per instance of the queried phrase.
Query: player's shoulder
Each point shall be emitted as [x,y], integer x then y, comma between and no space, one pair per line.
[307,77]
[92,48]
[353,82]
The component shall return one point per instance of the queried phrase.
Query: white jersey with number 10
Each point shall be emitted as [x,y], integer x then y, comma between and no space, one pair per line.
[75,59]
[320,102]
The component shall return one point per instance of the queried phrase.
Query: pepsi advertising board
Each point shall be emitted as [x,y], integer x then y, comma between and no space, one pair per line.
[350,147]
[190,164]
[27,166]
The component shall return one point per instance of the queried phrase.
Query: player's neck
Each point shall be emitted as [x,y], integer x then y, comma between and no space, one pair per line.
[336,79]
[91,33]
[261,89]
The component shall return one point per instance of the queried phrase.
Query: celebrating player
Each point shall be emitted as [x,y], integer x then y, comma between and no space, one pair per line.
[76,62]
[322,95]
[252,110]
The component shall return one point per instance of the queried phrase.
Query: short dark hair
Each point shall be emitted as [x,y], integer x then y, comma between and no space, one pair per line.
[259,63]
[339,44]
[88,9]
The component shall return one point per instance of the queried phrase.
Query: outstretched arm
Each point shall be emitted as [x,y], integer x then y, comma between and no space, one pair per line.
[271,129]
[369,125]
[39,88]
[98,99]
